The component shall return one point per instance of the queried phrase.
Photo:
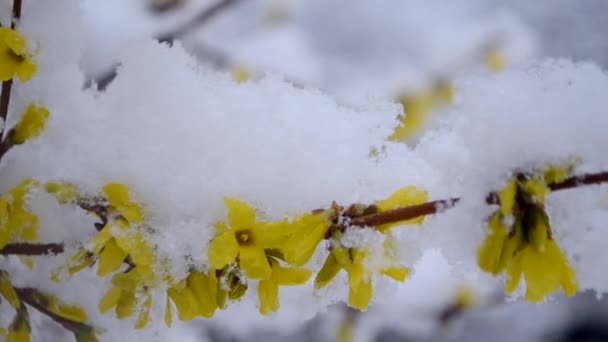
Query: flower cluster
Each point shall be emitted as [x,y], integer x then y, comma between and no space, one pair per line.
[520,241]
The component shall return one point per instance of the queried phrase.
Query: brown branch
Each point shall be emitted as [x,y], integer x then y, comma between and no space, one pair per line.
[405,213]
[30,296]
[568,183]
[200,20]
[32,249]
[8,85]
[576,181]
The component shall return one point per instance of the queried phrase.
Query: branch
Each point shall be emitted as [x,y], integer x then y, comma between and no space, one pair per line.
[568,183]
[30,296]
[7,85]
[32,249]
[405,213]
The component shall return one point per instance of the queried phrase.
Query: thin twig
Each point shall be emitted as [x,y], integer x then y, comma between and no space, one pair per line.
[8,85]
[32,249]
[405,213]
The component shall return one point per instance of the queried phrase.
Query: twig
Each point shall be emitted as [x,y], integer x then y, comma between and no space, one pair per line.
[7,85]
[405,213]
[568,183]
[32,249]
[198,21]
[30,296]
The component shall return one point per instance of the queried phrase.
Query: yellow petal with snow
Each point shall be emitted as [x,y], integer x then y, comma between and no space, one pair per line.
[537,188]
[110,258]
[100,240]
[31,124]
[513,271]
[144,315]
[223,250]
[254,263]
[19,331]
[240,214]
[268,292]
[542,273]
[489,252]
[118,197]
[416,113]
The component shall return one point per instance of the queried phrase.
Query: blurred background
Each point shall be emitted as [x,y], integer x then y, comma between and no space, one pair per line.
[356,50]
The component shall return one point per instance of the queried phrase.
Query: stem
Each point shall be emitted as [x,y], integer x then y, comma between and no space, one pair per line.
[405,213]
[7,85]
[32,249]
[29,296]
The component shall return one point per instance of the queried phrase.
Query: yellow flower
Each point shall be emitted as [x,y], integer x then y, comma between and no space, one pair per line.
[495,61]
[526,246]
[63,191]
[268,289]
[359,278]
[126,293]
[246,239]
[306,232]
[193,296]
[30,125]
[13,58]
[118,198]
[404,197]
[15,220]
[417,107]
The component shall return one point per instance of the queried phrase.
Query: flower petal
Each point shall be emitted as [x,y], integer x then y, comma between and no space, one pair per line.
[240,214]
[268,292]
[254,263]
[223,249]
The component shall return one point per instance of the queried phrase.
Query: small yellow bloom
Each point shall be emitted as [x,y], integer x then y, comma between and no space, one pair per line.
[119,200]
[19,330]
[13,58]
[526,247]
[404,197]
[196,295]
[308,231]
[246,239]
[126,294]
[63,191]
[418,107]
[495,61]
[352,260]
[268,289]
[30,125]
[16,221]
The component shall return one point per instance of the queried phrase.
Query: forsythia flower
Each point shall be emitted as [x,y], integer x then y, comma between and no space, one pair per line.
[13,58]
[19,330]
[126,292]
[418,107]
[359,278]
[306,232]
[268,289]
[527,247]
[403,197]
[30,125]
[195,295]
[246,239]
[15,219]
